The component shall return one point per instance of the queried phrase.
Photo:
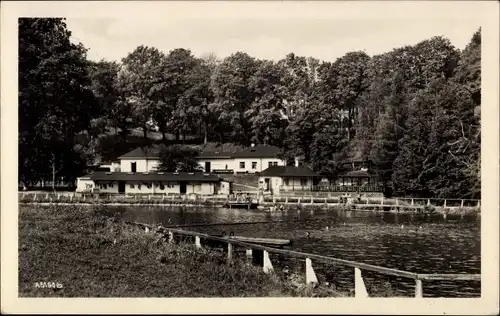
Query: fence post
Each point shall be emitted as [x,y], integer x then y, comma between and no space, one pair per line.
[359,284]
[197,241]
[382,200]
[34,197]
[229,252]
[249,255]
[479,203]
[267,264]
[444,205]
[298,200]
[428,202]
[171,237]
[462,203]
[274,199]
[310,274]
[419,293]
[411,202]
[286,200]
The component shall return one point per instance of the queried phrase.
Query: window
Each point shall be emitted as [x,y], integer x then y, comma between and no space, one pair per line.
[303,182]
[131,186]
[270,163]
[139,186]
[226,167]
[275,163]
[162,187]
[148,185]
[133,167]
[242,165]
[254,165]
[105,186]
[286,181]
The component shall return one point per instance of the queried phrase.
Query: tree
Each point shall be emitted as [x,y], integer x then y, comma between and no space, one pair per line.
[265,113]
[55,101]
[138,76]
[389,129]
[344,81]
[178,158]
[233,94]
[115,109]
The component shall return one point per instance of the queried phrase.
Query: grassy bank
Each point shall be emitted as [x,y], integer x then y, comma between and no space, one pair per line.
[93,255]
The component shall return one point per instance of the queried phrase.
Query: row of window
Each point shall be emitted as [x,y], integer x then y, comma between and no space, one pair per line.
[162,186]
[254,164]
[132,186]
[303,182]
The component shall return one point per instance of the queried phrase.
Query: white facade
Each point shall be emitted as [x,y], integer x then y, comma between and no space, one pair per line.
[217,164]
[148,187]
[275,185]
[113,167]
[84,185]
[241,165]
[141,164]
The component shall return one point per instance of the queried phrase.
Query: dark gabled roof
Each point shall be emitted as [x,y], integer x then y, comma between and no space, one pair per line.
[153,176]
[142,152]
[357,174]
[261,151]
[288,171]
[215,155]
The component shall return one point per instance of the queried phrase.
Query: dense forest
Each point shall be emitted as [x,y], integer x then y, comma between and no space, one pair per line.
[414,111]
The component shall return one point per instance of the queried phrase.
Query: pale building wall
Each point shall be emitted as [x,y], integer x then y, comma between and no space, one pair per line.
[84,185]
[261,164]
[107,187]
[142,165]
[297,184]
[218,164]
[224,188]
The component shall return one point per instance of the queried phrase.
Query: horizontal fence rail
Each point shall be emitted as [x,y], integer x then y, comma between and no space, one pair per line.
[221,200]
[360,289]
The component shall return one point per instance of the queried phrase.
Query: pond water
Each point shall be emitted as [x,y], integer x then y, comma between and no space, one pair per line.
[410,242]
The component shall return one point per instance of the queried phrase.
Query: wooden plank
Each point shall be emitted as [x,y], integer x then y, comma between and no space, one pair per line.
[449,277]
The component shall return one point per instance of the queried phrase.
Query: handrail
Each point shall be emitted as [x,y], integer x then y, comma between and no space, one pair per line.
[297,254]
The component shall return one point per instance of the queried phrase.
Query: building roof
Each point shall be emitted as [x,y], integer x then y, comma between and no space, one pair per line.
[358,174]
[215,155]
[288,171]
[260,151]
[142,152]
[153,176]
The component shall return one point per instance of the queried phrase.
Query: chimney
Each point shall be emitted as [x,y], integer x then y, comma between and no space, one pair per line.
[296,162]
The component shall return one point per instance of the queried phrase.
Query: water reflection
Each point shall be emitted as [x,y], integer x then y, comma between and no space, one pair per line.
[411,242]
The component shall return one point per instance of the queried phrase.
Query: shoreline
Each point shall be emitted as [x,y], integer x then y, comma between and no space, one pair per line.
[400,209]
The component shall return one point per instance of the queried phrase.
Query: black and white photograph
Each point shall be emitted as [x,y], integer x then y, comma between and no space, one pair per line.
[318,152]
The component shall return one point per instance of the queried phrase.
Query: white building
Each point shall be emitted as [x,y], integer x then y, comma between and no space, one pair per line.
[278,179]
[153,183]
[252,160]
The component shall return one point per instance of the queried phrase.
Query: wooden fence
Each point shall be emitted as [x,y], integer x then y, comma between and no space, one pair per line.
[311,278]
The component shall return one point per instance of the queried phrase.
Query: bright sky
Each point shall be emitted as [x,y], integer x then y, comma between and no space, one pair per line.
[325,30]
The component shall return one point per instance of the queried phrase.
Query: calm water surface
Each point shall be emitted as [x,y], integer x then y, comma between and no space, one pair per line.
[415,243]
